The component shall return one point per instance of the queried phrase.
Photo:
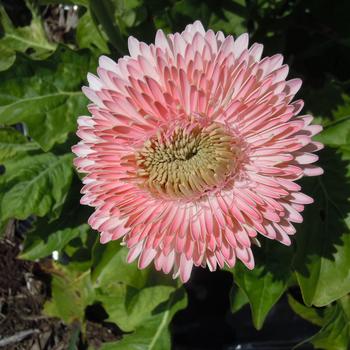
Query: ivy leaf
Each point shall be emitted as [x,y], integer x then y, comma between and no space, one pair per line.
[13,143]
[129,307]
[153,334]
[45,95]
[72,291]
[35,185]
[323,240]
[310,314]
[22,39]
[265,284]
[89,34]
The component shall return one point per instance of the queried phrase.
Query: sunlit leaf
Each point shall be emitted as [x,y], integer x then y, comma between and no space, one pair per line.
[31,40]
[89,35]
[310,314]
[129,307]
[265,284]
[13,143]
[45,95]
[323,240]
[153,334]
[71,292]
[35,185]
[39,247]
[337,131]
[335,334]
[111,266]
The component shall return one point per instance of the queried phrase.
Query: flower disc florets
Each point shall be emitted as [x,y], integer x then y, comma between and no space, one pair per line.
[193,148]
[187,162]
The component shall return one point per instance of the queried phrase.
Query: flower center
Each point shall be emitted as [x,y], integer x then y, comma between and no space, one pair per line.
[187,162]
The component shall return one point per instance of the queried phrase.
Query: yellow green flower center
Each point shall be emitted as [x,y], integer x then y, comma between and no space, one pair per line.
[186,163]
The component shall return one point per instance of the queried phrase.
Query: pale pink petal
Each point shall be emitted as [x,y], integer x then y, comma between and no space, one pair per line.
[193,149]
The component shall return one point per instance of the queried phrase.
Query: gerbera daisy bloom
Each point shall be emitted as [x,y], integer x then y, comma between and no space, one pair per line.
[193,148]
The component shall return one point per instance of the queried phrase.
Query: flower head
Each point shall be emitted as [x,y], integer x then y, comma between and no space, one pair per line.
[193,148]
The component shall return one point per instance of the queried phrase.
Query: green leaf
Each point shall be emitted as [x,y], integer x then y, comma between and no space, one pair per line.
[129,307]
[265,284]
[39,248]
[7,57]
[13,143]
[335,334]
[103,12]
[47,236]
[30,39]
[74,337]
[35,185]
[129,13]
[110,266]
[153,334]
[45,95]
[72,291]
[337,132]
[323,240]
[231,20]
[89,35]
[238,299]
[310,314]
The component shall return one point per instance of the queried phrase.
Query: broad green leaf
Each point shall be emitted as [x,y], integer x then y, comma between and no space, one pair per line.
[266,283]
[40,247]
[7,58]
[322,259]
[337,132]
[129,307]
[47,236]
[335,334]
[13,143]
[310,314]
[89,35]
[35,185]
[45,95]
[23,39]
[110,266]
[72,291]
[153,334]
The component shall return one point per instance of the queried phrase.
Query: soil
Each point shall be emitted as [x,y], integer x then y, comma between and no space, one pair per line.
[24,288]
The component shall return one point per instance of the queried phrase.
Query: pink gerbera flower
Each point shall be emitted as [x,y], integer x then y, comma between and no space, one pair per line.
[193,148]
